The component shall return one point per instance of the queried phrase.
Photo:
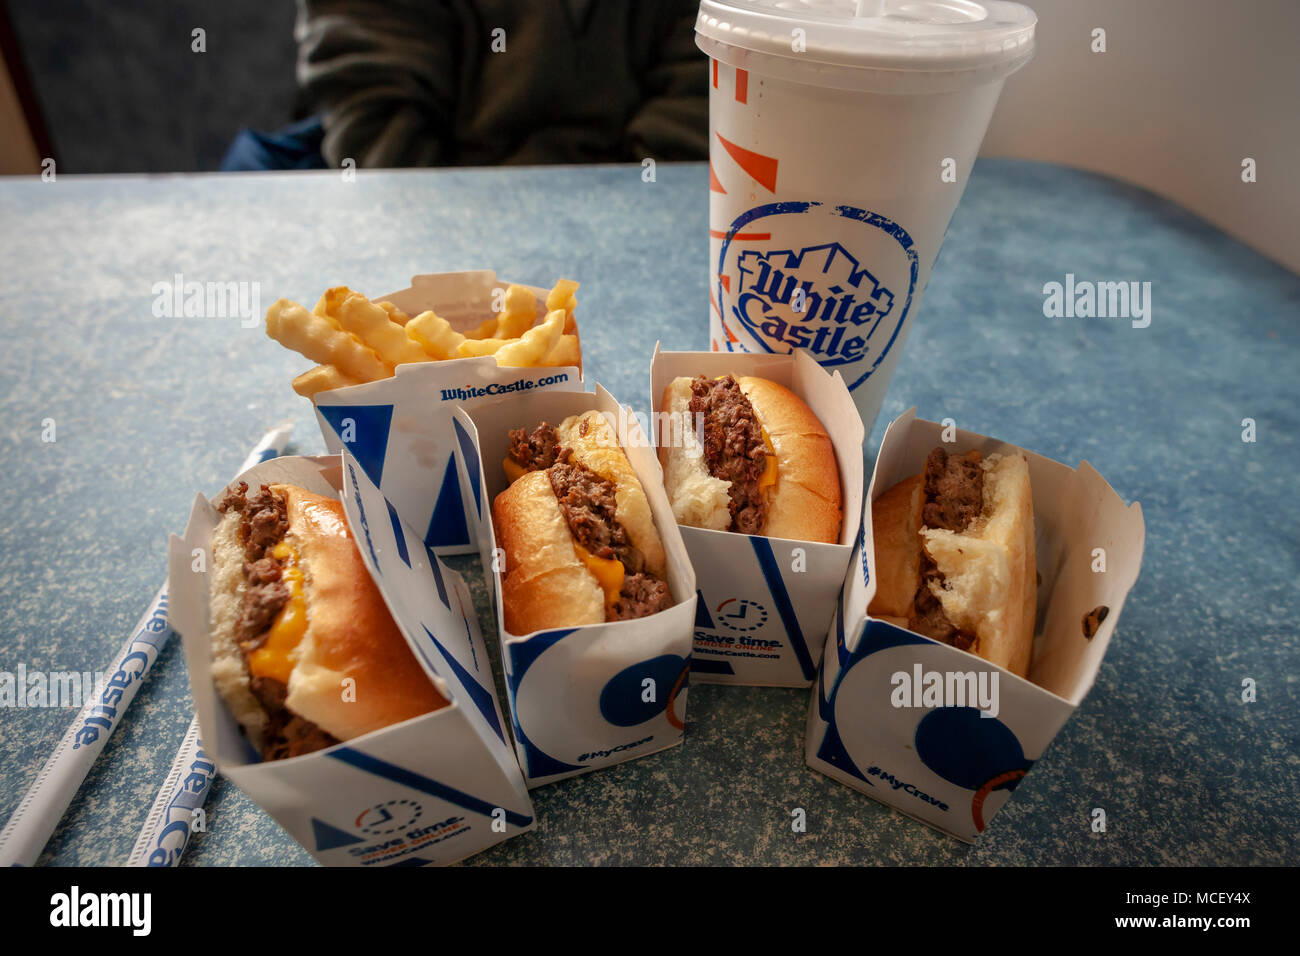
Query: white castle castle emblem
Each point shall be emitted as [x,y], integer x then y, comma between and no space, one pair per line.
[817,298]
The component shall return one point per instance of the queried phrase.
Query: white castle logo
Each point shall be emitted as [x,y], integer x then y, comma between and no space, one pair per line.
[818,299]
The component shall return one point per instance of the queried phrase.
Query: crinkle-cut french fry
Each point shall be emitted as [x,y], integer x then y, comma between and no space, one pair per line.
[370,323]
[315,337]
[519,314]
[535,343]
[321,379]
[394,313]
[565,352]
[327,306]
[562,297]
[434,334]
[485,330]
[472,348]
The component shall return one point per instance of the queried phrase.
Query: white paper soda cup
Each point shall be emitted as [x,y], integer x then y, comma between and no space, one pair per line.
[840,145]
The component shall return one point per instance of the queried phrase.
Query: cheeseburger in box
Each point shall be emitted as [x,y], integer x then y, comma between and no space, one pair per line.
[973,621]
[594,592]
[353,707]
[762,462]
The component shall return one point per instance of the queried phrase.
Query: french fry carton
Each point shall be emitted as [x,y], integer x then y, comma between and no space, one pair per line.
[431,790]
[765,603]
[596,695]
[941,734]
[408,416]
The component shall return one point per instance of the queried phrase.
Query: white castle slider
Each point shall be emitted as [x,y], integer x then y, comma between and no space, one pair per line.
[297,622]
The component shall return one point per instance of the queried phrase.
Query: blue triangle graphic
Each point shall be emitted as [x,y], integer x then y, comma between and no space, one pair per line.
[436,568]
[833,752]
[330,838]
[479,694]
[447,525]
[702,617]
[877,636]
[369,433]
[539,763]
[524,653]
[472,464]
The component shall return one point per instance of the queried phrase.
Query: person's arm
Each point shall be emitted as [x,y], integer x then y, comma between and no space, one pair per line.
[384,75]
[673,120]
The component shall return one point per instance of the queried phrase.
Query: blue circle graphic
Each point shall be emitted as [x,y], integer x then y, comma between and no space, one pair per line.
[967,749]
[622,700]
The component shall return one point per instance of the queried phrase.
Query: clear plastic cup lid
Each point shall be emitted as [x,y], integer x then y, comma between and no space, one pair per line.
[929,35]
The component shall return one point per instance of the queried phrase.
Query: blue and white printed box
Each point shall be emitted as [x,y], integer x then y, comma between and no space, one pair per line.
[766,603]
[408,416]
[431,790]
[941,734]
[591,696]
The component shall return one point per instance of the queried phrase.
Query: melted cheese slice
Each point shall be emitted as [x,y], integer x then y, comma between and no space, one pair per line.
[274,658]
[609,573]
[768,478]
[514,470]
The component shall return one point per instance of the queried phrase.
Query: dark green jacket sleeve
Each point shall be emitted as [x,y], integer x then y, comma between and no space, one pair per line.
[384,74]
[673,122]
[422,82]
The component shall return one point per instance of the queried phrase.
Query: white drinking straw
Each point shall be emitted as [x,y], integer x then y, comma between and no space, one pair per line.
[177,811]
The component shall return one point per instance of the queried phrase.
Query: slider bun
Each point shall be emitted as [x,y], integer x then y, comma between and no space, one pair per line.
[896,529]
[545,585]
[990,571]
[805,504]
[350,632]
[225,601]
[990,574]
[698,499]
[595,445]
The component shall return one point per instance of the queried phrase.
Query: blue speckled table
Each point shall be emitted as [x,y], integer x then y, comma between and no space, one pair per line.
[148,410]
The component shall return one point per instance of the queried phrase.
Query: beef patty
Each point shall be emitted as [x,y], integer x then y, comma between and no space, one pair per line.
[588,504]
[954,497]
[734,449]
[263,522]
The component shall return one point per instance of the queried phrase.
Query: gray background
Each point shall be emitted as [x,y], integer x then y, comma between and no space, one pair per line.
[121,90]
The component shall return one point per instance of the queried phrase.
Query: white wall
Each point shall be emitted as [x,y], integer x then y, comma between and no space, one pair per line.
[1185,90]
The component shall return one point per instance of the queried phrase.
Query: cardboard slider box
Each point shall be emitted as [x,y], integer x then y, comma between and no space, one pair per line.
[408,416]
[431,790]
[591,696]
[766,603]
[942,734]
